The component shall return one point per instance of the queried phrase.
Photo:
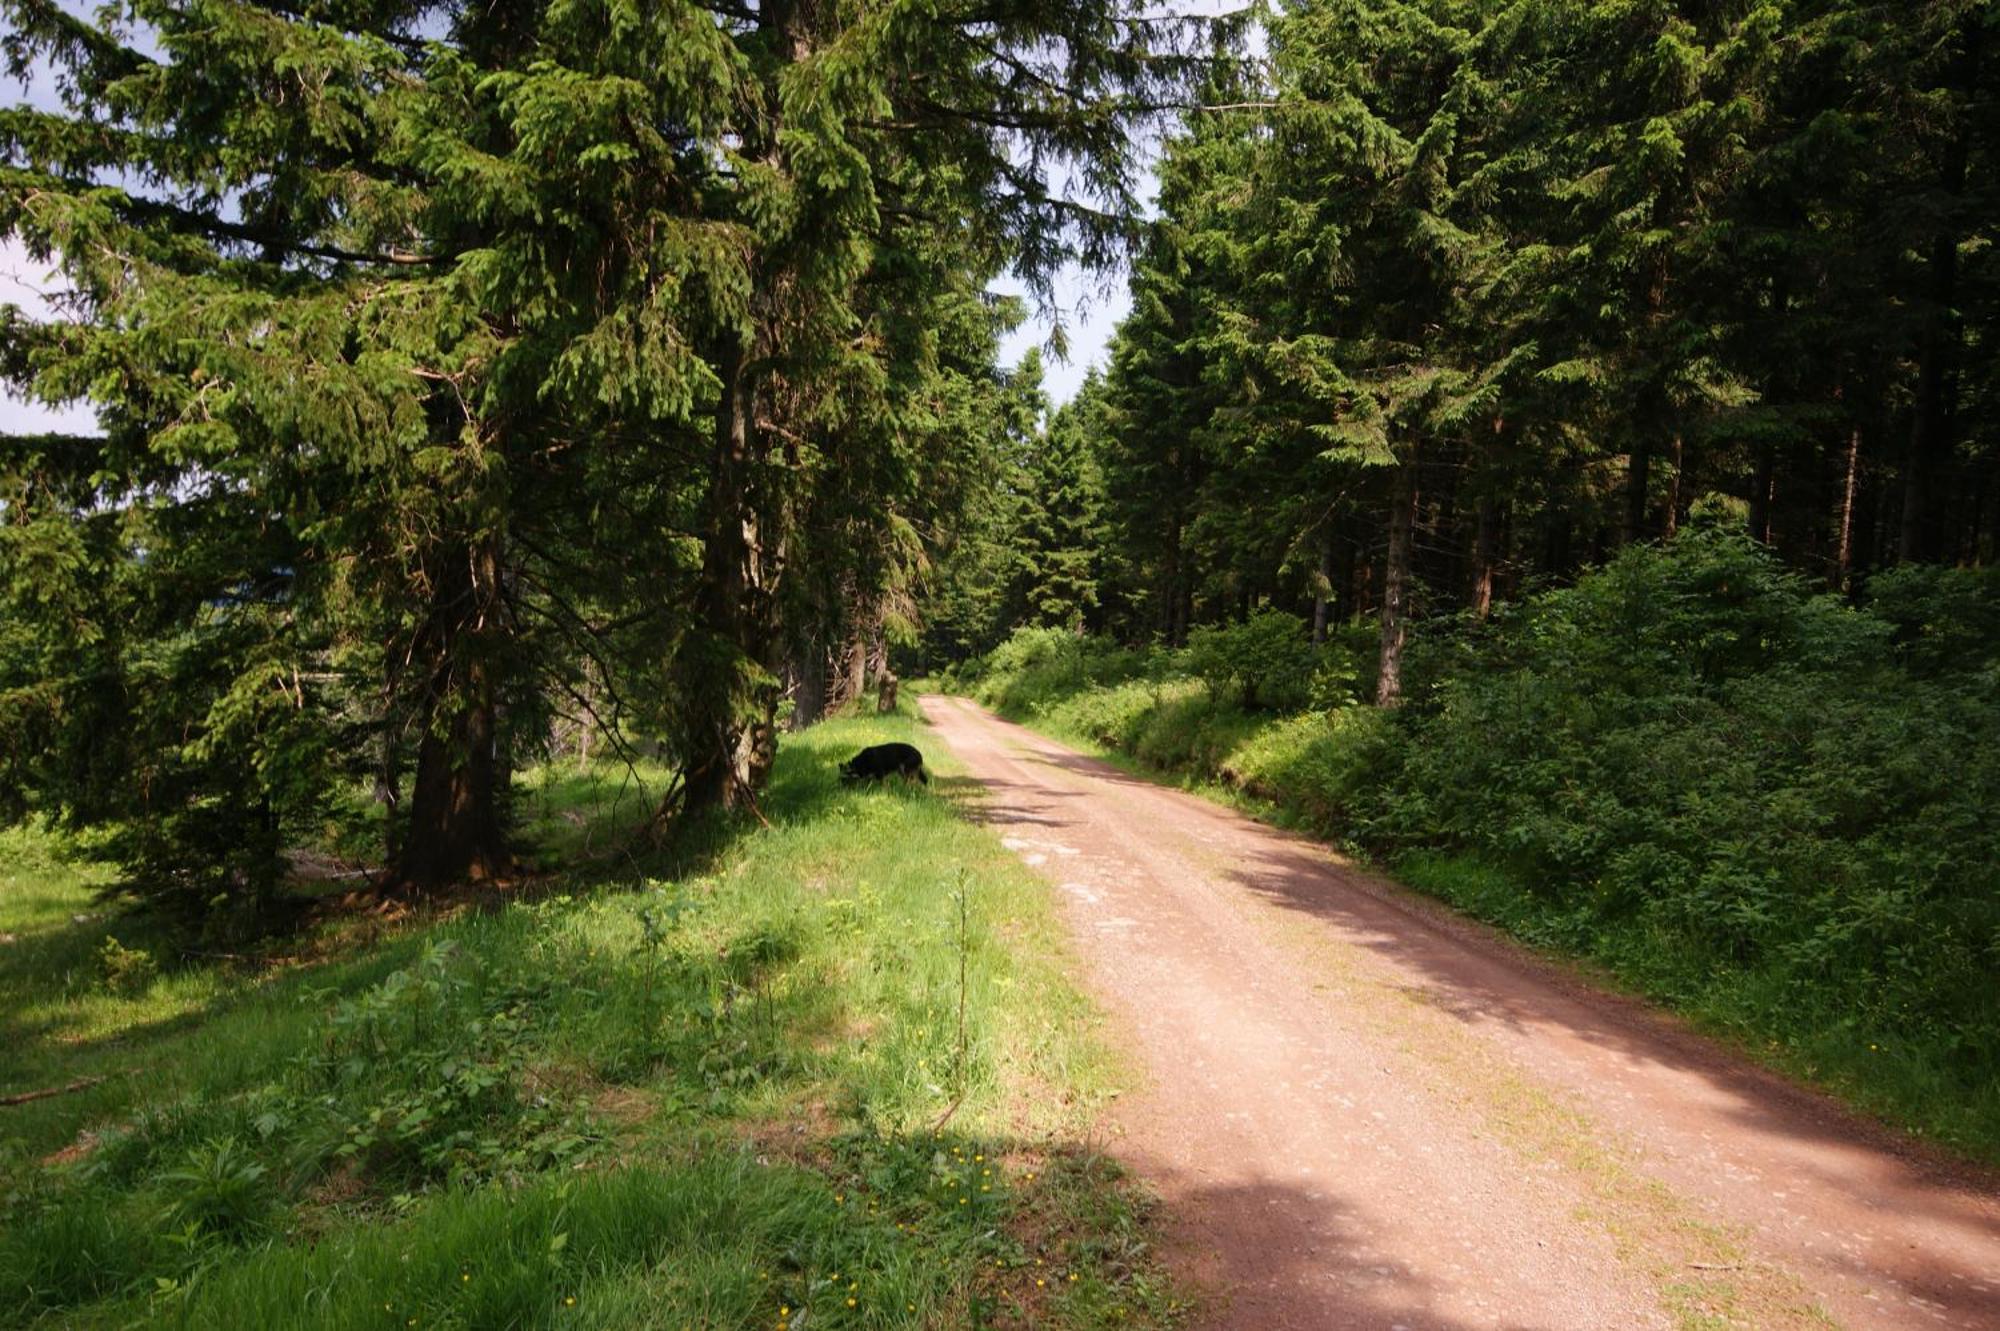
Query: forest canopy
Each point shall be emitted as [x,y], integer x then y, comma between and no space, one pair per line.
[1445,299]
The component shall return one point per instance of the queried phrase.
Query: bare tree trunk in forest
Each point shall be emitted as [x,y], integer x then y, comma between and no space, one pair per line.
[1843,559]
[878,653]
[1980,550]
[1676,457]
[389,766]
[1344,594]
[457,830]
[856,678]
[808,672]
[1656,407]
[1638,481]
[1395,582]
[1176,589]
[1760,493]
[1930,422]
[1486,526]
[1939,349]
[1485,554]
[1323,585]
[730,748]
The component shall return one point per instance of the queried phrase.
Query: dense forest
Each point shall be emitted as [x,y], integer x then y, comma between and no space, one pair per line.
[1448,300]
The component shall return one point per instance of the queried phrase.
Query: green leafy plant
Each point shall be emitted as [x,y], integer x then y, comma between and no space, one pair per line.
[220,1190]
[126,970]
[1268,657]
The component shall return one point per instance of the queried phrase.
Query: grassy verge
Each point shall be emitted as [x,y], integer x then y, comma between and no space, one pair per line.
[830,1074]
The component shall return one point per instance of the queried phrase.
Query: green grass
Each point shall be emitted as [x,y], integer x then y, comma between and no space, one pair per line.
[686,1090]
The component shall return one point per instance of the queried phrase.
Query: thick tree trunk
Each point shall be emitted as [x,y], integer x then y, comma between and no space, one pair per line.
[457,830]
[855,681]
[878,654]
[1395,583]
[727,744]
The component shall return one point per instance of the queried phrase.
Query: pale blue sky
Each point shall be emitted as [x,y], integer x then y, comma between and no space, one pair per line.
[1090,314]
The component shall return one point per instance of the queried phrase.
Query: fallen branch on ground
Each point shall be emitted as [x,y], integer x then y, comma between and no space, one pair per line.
[81,1084]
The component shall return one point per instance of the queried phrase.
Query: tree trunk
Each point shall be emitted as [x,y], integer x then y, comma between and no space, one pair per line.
[1323,585]
[1395,583]
[1843,559]
[1485,554]
[878,654]
[1344,592]
[1677,458]
[1931,424]
[1760,493]
[721,736]
[1638,480]
[457,829]
[808,683]
[856,679]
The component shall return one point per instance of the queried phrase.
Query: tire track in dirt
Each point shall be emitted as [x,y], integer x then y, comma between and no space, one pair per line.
[1366,1113]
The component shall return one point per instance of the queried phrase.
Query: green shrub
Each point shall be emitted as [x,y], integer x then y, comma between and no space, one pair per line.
[1324,766]
[220,1189]
[1724,782]
[1269,658]
[126,970]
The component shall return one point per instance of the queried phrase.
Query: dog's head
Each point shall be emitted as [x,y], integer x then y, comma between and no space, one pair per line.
[848,776]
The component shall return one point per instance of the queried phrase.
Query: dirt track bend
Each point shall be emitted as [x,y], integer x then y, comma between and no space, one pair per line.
[1364,1113]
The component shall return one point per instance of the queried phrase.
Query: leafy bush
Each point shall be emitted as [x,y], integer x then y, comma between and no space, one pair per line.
[1269,657]
[1711,772]
[220,1189]
[1323,766]
[126,970]
[457,1106]
[1037,667]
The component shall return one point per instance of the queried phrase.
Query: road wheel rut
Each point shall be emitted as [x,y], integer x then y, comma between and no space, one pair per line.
[1366,1114]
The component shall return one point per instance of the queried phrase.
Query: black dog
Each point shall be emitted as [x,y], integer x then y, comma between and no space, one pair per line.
[880,760]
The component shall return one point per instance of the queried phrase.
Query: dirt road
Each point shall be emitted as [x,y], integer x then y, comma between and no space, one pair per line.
[1365,1113]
